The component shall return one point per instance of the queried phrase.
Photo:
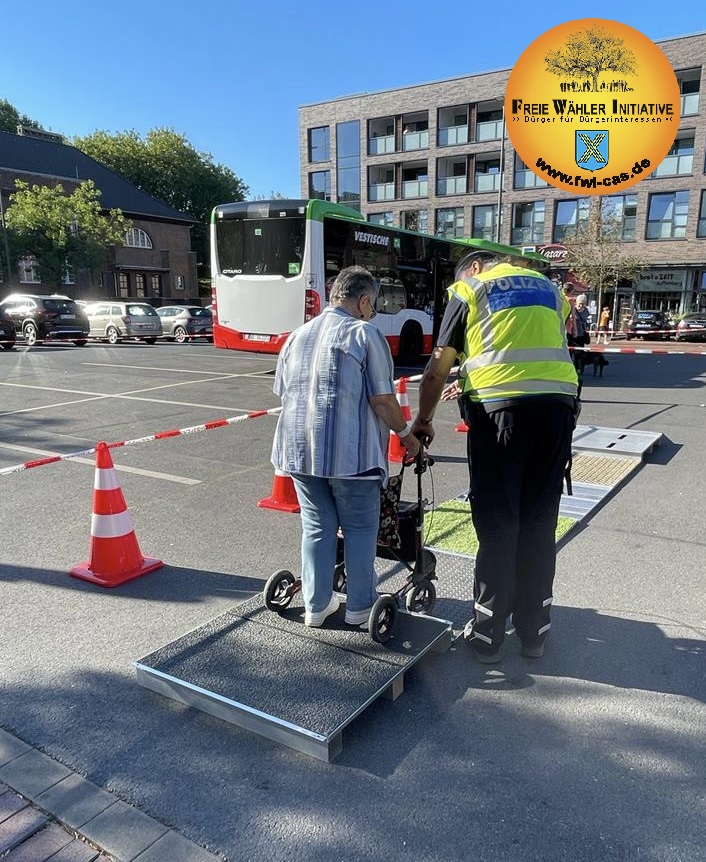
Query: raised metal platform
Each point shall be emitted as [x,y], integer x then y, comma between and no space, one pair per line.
[619,441]
[298,686]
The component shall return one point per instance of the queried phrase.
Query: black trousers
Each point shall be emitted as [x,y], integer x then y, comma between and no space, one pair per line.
[517,459]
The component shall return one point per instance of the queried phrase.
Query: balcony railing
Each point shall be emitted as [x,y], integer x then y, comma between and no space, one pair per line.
[486,182]
[453,135]
[380,146]
[689,104]
[527,235]
[415,140]
[490,131]
[381,192]
[673,166]
[528,180]
[451,186]
[415,189]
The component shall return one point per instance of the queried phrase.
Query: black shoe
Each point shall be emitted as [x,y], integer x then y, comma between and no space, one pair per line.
[487,657]
[532,651]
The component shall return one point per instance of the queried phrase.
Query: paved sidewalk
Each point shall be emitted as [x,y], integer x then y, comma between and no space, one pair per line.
[93,825]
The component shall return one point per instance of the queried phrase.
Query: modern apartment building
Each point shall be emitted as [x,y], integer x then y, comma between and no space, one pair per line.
[436,158]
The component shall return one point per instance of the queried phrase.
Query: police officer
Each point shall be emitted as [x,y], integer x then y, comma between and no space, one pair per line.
[506,325]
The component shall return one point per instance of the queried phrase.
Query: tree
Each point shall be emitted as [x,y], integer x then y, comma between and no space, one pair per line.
[10,118]
[165,165]
[588,54]
[62,232]
[596,253]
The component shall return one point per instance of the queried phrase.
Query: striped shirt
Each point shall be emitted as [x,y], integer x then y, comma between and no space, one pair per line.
[325,374]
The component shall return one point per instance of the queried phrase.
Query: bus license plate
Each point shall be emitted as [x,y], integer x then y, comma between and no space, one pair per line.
[255,337]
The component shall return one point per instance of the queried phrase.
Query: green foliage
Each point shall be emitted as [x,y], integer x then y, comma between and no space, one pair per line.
[10,118]
[62,231]
[588,53]
[165,165]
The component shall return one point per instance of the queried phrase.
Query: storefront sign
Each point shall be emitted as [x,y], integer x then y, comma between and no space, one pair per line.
[661,279]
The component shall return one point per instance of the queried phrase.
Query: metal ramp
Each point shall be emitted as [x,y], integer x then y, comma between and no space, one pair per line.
[618,441]
[298,686]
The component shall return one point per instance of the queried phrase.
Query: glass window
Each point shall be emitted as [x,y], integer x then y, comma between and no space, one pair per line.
[679,160]
[666,216]
[29,271]
[416,220]
[260,246]
[386,218]
[701,226]
[485,222]
[320,185]
[348,163]
[620,211]
[528,223]
[137,238]
[156,284]
[319,144]
[139,284]
[524,178]
[450,222]
[569,216]
[123,284]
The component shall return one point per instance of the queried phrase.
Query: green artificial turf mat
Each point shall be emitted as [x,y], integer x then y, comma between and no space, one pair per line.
[448,527]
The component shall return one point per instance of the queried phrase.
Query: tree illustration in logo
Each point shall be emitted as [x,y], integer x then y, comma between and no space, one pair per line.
[589,54]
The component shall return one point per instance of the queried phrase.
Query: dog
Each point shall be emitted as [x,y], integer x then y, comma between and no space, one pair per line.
[590,357]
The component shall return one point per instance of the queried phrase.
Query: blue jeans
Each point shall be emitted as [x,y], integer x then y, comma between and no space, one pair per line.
[326,504]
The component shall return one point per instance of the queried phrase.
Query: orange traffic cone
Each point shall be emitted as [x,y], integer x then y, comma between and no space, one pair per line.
[395,449]
[115,554]
[462,427]
[283,497]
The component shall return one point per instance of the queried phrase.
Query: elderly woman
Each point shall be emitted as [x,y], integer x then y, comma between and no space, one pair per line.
[335,380]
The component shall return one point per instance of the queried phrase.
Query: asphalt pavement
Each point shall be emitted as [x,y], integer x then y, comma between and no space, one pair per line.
[595,752]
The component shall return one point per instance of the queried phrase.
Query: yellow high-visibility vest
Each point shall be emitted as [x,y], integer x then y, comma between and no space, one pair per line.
[515,343]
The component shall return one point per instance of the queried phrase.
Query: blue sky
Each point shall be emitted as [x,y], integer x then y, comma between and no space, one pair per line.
[230,75]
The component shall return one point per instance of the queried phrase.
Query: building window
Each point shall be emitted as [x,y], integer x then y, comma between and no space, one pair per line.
[381,183]
[485,222]
[489,123]
[524,178]
[348,163]
[701,226]
[381,136]
[320,185]
[123,284]
[415,131]
[137,238]
[449,222]
[68,276]
[451,176]
[620,212]
[678,161]
[416,220]
[487,174]
[319,144]
[569,216]
[29,271]
[139,284]
[666,215]
[179,282]
[415,181]
[689,86]
[387,218]
[156,285]
[528,223]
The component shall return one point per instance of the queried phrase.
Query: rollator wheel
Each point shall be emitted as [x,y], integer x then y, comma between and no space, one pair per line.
[339,578]
[279,590]
[382,619]
[420,599]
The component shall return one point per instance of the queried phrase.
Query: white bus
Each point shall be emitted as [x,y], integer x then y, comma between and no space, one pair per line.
[273,263]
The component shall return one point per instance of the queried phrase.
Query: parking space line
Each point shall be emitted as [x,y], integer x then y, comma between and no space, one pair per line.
[151,474]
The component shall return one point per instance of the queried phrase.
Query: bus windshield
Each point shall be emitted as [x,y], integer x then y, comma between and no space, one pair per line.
[260,246]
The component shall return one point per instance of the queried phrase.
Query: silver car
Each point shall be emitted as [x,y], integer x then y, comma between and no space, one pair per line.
[186,322]
[113,320]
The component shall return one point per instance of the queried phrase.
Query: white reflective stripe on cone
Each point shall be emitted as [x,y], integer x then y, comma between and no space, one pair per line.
[106,479]
[111,526]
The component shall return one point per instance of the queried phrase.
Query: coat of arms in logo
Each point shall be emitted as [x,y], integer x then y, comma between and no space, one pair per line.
[591,149]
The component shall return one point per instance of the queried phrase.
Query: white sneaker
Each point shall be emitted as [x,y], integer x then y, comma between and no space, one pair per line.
[358,618]
[314,620]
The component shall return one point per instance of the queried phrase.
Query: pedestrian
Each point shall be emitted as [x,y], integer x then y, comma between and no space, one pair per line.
[506,326]
[604,326]
[334,377]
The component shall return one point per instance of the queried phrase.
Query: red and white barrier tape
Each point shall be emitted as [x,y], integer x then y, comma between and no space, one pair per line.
[163,435]
[657,351]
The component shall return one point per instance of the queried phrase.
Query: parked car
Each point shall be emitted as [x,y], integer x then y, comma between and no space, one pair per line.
[649,324]
[43,318]
[112,320]
[692,327]
[184,322]
[7,330]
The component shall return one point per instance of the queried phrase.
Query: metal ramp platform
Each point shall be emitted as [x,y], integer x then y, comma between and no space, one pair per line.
[298,686]
[618,441]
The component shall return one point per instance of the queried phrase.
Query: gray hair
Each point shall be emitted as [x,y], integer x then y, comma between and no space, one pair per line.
[352,283]
[487,259]
[582,298]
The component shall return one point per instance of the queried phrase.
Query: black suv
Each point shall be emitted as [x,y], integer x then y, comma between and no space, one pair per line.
[41,318]
[7,331]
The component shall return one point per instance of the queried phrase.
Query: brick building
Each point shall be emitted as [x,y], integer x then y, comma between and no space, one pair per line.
[436,158]
[156,261]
